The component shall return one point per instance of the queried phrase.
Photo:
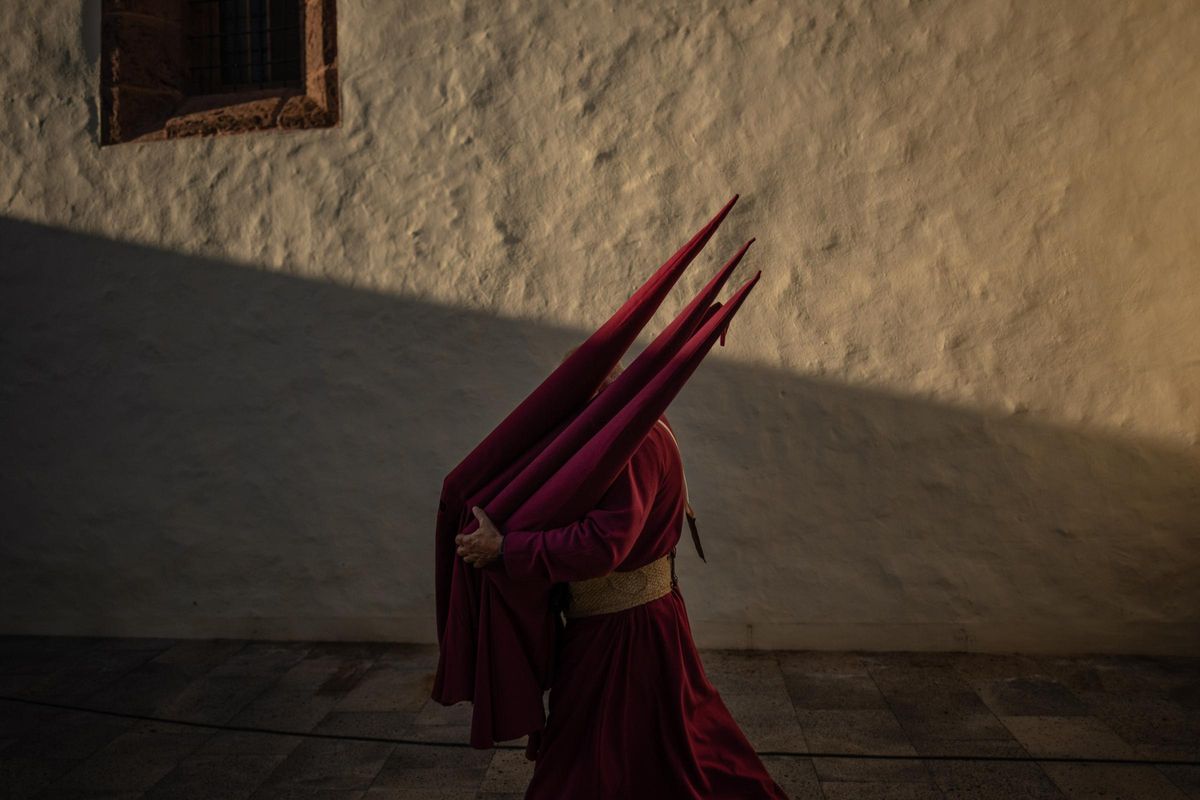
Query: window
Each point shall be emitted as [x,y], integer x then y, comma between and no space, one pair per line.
[173,68]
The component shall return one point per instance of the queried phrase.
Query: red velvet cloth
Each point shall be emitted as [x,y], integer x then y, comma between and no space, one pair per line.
[546,465]
[632,714]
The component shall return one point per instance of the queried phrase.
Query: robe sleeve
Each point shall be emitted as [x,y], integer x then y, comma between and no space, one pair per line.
[596,544]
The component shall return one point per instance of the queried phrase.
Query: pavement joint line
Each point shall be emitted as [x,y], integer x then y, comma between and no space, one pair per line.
[426,743]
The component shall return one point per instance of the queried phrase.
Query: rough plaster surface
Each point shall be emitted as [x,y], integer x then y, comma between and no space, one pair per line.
[961,411]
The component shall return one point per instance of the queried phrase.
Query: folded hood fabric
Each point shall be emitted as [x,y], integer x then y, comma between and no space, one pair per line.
[544,466]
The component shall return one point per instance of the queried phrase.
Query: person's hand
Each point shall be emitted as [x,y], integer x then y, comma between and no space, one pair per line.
[483,546]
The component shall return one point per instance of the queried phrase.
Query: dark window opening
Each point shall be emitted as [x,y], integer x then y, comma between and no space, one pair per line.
[176,68]
[236,45]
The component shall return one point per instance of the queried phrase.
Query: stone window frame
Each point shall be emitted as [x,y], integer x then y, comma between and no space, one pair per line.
[144,79]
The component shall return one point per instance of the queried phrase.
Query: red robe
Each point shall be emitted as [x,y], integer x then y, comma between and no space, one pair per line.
[632,714]
[546,465]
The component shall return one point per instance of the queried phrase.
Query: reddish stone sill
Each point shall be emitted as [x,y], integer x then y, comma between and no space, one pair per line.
[242,112]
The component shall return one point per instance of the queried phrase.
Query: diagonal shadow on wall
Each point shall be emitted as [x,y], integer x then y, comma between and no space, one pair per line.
[194,447]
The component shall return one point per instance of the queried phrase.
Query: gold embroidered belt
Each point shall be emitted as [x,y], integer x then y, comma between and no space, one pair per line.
[618,591]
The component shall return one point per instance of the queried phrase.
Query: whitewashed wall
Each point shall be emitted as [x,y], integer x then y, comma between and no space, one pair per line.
[961,410]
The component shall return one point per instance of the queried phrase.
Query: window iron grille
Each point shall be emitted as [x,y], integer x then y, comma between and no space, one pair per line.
[238,45]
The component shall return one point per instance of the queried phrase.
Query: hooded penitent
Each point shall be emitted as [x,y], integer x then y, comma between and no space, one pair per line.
[546,465]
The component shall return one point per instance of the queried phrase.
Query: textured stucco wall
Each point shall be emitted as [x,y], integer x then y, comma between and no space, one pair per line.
[961,410]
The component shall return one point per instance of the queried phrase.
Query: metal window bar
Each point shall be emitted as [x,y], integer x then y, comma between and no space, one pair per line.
[234,45]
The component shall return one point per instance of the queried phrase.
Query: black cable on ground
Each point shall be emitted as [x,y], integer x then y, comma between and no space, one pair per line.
[425,743]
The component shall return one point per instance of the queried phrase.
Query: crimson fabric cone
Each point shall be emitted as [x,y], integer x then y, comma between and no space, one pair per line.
[571,383]
[604,406]
[575,487]
[496,635]
[513,666]
[523,661]
[526,431]
[521,436]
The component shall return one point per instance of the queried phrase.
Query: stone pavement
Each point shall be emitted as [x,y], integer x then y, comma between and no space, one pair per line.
[914,706]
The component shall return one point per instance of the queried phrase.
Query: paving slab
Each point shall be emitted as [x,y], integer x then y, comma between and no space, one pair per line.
[456,771]
[1034,696]
[387,686]
[196,657]
[238,742]
[133,762]
[141,690]
[854,731]
[283,709]
[327,765]
[768,720]
[1068,737]
[67,735]
[796,776]
[969,748]
[1184,778]
[1148,720]
[215,776]
[268,659]
[993,780]
[23,777]
[881,791]
[833,690]
[871,770]
[509,771]
[1112,782]
[436,722]
[215,699]
[743,672]
[383,724]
